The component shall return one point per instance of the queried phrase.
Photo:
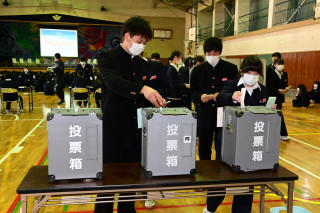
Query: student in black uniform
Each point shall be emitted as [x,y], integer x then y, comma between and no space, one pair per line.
[59,77]
[230,95]
[277,84]
[81,82]
[86,68]
[302,97]
[206,82]
[314,94]
[176,84]
[123,78]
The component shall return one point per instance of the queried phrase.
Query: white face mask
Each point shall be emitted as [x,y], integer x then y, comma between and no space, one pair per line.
[315,86]
[279,67]
[213,60]
[136,49]
[82,63]
[250,80]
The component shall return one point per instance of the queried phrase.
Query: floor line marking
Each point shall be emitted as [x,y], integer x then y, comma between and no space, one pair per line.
[299,141]
[17,146]
[306,171]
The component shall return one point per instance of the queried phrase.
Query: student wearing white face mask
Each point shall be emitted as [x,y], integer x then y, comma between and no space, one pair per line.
[175,82]
[277,84]
[86,68]
[206,82]
[230,95]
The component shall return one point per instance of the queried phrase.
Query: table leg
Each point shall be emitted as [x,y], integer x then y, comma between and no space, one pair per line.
[262,198]
[290,196]
[24,199]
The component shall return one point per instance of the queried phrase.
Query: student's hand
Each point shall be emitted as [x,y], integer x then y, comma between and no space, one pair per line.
[214,96]
[274,106]
[237,96]
[153,96]
[187,86]
[205,98]
[282,91]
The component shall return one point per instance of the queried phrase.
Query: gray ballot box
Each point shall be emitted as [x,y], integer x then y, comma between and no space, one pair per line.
[168,141]
[75,144]
[251,138]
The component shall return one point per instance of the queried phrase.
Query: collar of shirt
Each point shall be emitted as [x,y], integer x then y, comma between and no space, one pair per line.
[249,89]
[278,73]
[132,56]
[175,66]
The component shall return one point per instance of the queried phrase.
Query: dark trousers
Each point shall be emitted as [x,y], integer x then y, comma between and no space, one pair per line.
[205,142]
[241,203]
[8,105]
[118,154]
[59,90]
[283,130]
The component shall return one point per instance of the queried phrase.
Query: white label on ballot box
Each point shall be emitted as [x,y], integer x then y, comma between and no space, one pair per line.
[220,117]
[139,118]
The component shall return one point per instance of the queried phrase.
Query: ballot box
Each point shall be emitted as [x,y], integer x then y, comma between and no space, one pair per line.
[75,144]
[168,141]
[251,138]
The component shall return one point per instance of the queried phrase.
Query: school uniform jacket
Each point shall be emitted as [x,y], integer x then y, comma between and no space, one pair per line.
[122,78]
[258,97]
[206,79]
[176,87]
[274,83]
[59,73]
[87,69]
[156,78]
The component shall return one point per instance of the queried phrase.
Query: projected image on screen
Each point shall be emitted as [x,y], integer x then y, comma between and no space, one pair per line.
[54,41]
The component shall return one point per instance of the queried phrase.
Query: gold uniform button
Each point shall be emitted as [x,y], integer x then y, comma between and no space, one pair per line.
[134,73]
[213,78]
[213,105]
[212,86]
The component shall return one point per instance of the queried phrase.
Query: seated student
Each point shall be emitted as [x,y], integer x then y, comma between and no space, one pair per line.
[230,95]
[9,83]
[302,97]
[26,77]
[80,82]
[86,68]
[314,94]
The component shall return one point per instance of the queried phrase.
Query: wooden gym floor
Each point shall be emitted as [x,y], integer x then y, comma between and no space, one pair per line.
[23,143]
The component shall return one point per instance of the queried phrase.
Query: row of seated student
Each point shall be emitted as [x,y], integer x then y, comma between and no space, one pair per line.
[304,98]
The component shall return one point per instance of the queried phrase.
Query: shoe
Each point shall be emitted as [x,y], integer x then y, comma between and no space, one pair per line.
[8,111]
[150,204]
[205,210]
[61,102]
[284,138]
[21,110]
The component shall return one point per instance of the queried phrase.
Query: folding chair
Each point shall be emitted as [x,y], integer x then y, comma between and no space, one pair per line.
[15,62]
[79,94]
[89,61]
[30,62]
[97,97]
[21,61]
[38,62]
[9,95]
[94,62]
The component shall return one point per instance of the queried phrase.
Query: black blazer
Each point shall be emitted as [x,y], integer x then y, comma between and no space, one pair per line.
[156,78]
[274,83]
[59,72]
[176,87]
[87,69]
[206,79]
[258,97]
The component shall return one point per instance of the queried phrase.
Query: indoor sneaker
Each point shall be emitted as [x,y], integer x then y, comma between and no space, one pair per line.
[205,210]
[61,102]
[150,204]
[284,138]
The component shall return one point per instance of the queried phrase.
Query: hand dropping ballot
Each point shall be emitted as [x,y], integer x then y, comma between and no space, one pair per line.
[220,112]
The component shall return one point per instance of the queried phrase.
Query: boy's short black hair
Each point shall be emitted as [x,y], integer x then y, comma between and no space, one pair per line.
[83,58]
[155,55]
[137,26]
[279,61]
[212,43]
[276,54]
[57,56]
[251,63]
[175,53]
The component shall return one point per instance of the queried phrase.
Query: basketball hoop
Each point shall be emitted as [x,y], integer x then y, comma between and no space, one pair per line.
[316,8]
